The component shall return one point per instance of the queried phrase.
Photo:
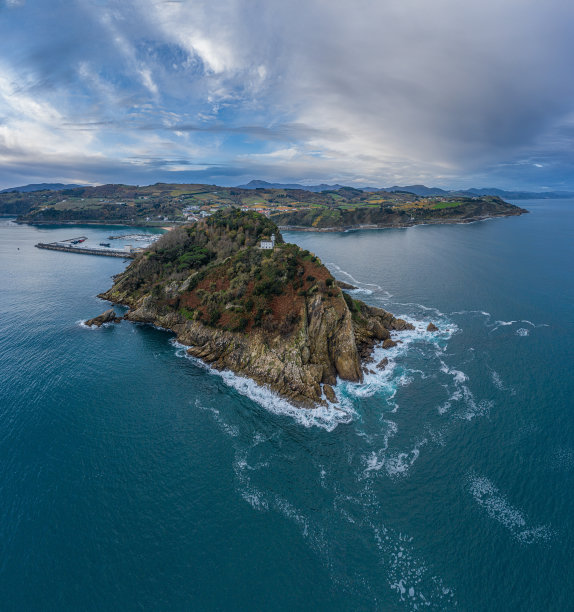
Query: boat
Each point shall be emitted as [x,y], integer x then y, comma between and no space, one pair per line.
[105,244]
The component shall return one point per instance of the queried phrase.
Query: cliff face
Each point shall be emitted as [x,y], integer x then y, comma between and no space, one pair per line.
[275,316]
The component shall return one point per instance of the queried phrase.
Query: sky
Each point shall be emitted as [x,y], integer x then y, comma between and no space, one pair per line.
[449,93]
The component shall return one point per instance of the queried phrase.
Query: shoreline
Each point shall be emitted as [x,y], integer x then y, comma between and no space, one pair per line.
[287,228]
[93,222]
[348,228]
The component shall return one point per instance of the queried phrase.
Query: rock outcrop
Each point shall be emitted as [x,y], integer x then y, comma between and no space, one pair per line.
[431,327]
[277,317]
[383,363]
[106,317]
[344,285]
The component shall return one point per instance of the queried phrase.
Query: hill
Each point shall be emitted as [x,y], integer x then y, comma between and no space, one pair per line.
[39,187]
[255,184]
[420,211]
[277,316]
[173,203]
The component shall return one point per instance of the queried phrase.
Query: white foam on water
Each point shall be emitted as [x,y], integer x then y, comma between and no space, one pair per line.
[498,508]
[360,284]
[256,498]
[325,417]
[562,459]
[388,380]
[394,463]
[534,324]
[409,576]
[436,311]
[496,380]
[520,332]
[499,384]
[458,376]
[462,394]
[360,290]
[465,312]
[402,569]
[83,325]
[498,324]
[438,435]
[231,430]
[473,408]
[398,464]
[375,460]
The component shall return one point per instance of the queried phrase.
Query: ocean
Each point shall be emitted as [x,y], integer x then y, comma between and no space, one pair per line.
[135,478]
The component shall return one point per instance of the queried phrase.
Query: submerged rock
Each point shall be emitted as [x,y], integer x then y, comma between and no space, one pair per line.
[106,317]
[383,363]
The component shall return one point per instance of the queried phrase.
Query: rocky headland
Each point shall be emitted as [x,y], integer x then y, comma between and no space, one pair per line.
[274,315]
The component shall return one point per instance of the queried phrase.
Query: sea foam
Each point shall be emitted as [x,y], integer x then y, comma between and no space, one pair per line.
[325,417]
[497,507]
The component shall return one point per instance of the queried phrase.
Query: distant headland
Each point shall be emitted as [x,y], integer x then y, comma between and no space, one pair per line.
[318,208]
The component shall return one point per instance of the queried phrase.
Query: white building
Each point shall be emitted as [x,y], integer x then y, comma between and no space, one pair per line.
[268,244]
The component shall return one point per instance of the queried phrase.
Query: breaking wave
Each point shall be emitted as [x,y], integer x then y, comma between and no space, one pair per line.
[325,417]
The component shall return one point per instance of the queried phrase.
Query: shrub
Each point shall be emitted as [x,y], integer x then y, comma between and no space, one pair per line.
[240,324]
[187,313]
[350,302]
[214,317]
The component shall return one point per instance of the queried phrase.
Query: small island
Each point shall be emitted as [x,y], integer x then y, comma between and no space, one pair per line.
[242,299]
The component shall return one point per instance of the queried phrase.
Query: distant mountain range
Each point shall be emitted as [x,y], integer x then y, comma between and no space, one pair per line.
[41,187]
[266,185]
[420,190]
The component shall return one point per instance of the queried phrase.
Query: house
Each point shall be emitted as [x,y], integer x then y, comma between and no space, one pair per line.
[268,244]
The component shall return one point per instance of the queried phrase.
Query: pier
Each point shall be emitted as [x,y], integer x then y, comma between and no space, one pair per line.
[67,248]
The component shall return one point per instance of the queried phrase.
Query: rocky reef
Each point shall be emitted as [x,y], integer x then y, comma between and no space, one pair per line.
[276,316]
[106,317]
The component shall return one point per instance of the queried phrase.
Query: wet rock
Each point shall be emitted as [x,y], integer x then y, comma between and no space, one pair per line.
[106,317]
[402,325]
[330,393]
[383,363]
[344,285]
[388,343]
[431,327]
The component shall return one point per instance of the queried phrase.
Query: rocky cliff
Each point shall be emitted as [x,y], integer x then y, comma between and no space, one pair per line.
[276,316]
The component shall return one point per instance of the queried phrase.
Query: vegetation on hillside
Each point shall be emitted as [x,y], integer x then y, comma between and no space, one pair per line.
[229,282]
[161,203]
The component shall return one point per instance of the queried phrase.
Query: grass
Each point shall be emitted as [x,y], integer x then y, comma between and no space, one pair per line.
[442,205]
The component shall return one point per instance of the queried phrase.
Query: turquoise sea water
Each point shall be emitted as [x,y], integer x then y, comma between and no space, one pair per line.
[132,477]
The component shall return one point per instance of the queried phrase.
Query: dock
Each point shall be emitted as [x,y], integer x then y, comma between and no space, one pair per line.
[58,246]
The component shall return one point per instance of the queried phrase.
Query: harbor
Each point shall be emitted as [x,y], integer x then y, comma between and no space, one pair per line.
[67,247]
[78,245]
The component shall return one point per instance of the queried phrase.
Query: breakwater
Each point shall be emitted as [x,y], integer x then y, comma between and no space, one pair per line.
[54,246]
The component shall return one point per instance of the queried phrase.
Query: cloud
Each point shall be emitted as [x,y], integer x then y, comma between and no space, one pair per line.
[364,92]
